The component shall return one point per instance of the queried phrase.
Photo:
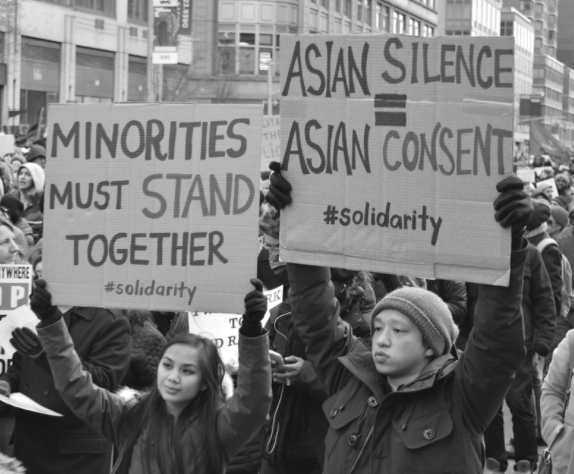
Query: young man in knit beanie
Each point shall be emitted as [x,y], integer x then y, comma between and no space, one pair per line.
[409,404]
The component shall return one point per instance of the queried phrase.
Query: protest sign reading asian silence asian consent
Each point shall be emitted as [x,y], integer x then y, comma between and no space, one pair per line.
[394,146]
[152,206]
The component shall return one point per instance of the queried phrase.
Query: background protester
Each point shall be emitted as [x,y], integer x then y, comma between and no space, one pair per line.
[13,208]
[557,407]
[37,155]
[10,254]
[181,425]
[543,191]
[539,324]
[31,180]
[102,342]
[15,162]
[557,221]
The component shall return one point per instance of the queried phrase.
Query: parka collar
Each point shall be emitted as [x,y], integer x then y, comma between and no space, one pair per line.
[359,361]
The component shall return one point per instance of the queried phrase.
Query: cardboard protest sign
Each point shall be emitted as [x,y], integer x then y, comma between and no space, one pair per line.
[152,206]
[15,289]
[394,146]
[223,329]
[270,141]
[527,175]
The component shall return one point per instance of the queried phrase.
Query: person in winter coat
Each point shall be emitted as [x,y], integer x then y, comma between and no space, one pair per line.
[14,209]
[31,180]
[181,426]
[409,404]
[539,325]
[551,255]
[49,445]
[557,407]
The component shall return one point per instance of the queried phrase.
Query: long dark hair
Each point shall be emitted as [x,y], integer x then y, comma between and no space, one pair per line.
[162,444]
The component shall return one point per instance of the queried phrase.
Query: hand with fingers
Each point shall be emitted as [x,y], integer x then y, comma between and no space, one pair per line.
[279,194]
[41,304]
[26,342]
[513,208]
[288,373]
[255,309]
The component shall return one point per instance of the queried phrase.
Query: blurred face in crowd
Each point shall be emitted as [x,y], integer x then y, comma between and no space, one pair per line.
[25,181]
[548,192]
[8,247]
[553,227]
[561,183]
[398,350]
[179,379]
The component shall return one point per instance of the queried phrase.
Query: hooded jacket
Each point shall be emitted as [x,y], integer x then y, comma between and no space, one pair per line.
[237,420]
[433,424]
[32,211]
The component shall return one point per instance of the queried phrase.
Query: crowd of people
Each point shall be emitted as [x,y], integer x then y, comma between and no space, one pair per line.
[354,372]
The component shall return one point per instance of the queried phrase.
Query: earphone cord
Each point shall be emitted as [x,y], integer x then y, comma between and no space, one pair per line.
[275,430]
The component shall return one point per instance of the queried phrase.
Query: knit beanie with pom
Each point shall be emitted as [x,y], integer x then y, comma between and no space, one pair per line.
[428,312]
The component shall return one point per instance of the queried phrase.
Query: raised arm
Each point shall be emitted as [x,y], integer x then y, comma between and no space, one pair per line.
[246,411]
[495,347]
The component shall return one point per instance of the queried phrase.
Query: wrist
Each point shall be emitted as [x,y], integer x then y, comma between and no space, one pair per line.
[251,328]
[49,320]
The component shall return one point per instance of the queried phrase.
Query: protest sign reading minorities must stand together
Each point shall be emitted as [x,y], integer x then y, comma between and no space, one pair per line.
[394,146]
[152,206]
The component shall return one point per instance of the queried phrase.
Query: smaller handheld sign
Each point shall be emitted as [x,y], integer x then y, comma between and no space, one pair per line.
[15,289]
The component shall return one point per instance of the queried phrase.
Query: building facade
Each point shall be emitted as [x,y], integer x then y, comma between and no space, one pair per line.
[514,23]
[469,17]
[81,51]
[565,43]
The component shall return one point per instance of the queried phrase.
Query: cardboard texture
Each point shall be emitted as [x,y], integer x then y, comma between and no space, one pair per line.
[152,206]
[394,146]
[15,289]
[270,141]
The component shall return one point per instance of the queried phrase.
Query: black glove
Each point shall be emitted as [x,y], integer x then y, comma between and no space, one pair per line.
[279,194]
[41,304]
[513,208]
[26,342]
[255,309]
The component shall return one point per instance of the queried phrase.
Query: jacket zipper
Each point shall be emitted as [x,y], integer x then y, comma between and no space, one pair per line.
[367,439]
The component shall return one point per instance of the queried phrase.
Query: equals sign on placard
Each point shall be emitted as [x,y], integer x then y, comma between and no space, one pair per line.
[390,101]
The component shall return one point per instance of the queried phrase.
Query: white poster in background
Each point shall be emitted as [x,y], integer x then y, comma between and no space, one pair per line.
[15,289]
[223,329]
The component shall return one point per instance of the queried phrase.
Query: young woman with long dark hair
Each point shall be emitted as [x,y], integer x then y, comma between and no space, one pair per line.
[181,425]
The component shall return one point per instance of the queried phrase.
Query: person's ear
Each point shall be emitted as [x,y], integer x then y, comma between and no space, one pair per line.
[429,352]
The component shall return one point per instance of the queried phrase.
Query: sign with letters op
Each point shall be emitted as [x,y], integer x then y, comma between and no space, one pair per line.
[152,206]
[394,146]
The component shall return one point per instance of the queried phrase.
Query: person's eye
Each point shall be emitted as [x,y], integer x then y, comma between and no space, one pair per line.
[397,330]
[167,365]
[188,371]
[376,328]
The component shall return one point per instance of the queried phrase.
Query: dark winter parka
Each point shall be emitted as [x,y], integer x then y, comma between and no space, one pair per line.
[47,444]
[435,423]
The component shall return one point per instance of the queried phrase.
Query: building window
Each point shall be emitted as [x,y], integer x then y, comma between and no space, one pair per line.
[506,28]
[107,7]
[417,28]
[367,12]
[525,5]
[338,6]
[359,10]
[325,4]
[348,8]
[399,21]
[551,35]
[137,10]
[382,17]
[248,53]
